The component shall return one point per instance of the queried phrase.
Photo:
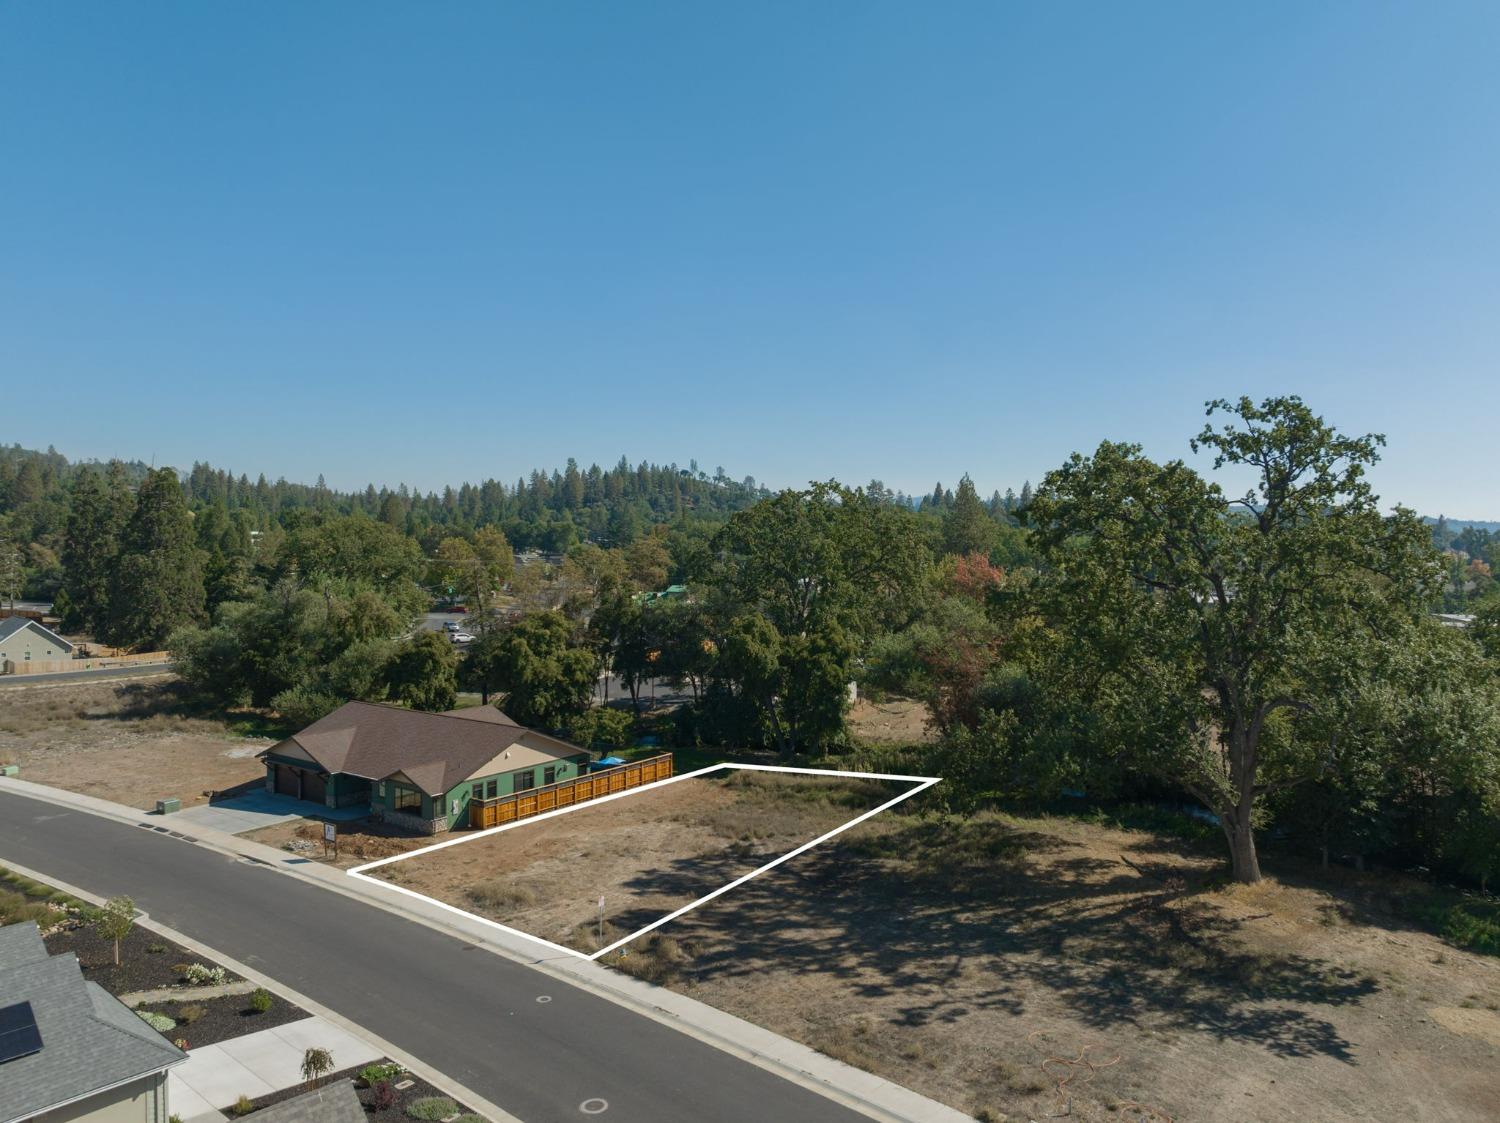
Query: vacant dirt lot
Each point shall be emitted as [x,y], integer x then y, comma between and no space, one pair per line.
[647,854]
[898,721]
[122,741]
[1023,968]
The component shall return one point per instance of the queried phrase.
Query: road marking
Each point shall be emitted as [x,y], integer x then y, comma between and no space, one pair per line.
[594,1106]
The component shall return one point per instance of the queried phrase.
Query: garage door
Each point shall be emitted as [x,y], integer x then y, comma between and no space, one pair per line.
[286,781]
[313,786]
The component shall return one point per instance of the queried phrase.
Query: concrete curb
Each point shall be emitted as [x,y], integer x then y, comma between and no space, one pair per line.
[861,1091]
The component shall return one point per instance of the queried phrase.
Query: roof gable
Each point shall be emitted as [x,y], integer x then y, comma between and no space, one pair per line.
[13,625]
[436,752]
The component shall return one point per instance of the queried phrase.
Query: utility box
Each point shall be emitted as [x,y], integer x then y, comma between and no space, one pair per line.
[167,806]
[10,769]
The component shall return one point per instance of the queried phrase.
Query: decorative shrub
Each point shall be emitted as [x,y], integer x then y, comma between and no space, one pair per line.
[261,1000]
[384,1095]
[159,1022]
[470,1117]
[156,949]
[374,1074]
[431,1109]
[201,974]
[242,1106]
[190,1014]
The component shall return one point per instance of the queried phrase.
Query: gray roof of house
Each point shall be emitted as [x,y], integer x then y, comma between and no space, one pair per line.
[335,1103]
[13,624]
[90,1041]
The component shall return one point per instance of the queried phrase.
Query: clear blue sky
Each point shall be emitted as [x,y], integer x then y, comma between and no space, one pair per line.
[435,242]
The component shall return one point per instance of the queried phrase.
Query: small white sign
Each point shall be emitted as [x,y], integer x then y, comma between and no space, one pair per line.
[330,832]
[601,904]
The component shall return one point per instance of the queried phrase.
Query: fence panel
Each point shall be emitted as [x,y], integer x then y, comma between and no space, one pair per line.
[486,813]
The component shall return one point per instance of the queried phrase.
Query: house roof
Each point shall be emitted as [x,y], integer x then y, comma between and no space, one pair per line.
[482,713]
[333,1103]
[13,624]
[436,752]
[90,1041]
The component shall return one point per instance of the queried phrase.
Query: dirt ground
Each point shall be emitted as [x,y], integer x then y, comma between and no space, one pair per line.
[360,841]
[1023,968]
[894,721]
[646,854]
[121,740]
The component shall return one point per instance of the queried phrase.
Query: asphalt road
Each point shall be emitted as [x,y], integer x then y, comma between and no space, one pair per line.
[468,1013]
[138,671]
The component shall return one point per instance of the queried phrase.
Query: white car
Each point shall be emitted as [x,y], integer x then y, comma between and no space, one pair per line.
[460,637]
[453,626]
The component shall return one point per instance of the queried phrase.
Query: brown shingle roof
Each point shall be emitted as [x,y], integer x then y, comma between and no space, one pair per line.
[435,751]
[481,713]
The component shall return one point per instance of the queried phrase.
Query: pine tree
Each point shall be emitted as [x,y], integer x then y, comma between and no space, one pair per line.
[89,548]
[967,528]
[157,585]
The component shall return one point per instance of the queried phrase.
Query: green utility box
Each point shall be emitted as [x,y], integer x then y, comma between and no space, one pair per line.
[10,769]
[167,806]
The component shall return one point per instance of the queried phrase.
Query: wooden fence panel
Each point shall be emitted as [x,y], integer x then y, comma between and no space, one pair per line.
[486,813]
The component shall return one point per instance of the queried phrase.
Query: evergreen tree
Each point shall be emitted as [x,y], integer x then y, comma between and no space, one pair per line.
[88,554]
[967,527]
[157,584]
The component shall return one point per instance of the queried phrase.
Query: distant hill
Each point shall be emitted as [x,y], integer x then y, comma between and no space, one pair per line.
[1457,525]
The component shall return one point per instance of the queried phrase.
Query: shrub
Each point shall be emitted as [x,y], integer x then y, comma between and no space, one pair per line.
[384,1097]
[243,1106]
[201,974]
[156,949]
[470,1117]
[260,1000]
[159,1022]
[432,1108]
[501,894]
[190,1014]
[374,1074]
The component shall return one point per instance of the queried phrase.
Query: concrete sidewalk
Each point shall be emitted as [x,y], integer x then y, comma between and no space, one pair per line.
[871,1095]
[256,1065]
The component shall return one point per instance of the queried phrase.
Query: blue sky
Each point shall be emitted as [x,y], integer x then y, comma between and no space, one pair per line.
[433,242]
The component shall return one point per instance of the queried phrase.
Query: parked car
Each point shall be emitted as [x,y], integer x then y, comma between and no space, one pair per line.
[460,637]
[453,625]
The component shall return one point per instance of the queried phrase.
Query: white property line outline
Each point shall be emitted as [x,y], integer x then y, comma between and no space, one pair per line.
[920,784]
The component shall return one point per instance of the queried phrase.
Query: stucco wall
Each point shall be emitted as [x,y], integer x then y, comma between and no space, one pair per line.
[142,1101]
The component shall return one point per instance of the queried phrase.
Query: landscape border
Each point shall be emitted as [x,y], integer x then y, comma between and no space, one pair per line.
[920,784]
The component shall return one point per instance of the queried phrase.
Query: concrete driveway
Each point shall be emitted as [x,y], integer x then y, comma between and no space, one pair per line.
[254,810]
[255,1065]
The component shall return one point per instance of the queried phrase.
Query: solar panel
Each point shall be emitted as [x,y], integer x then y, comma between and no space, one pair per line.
[19,1036]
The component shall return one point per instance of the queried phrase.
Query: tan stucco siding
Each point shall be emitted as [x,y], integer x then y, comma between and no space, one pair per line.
[141,1101]
[524,755]
[290,750]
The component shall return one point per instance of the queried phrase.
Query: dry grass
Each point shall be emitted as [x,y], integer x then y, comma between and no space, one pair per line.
[501,895]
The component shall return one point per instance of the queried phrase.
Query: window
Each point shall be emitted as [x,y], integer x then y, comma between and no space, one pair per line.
[549,776]
[525,781]
[439,804]
[408,799]
[491,788]
[477,791]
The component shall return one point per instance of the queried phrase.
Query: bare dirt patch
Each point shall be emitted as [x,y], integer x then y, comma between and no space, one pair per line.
[359,841]
[129,742]
[646,854]
[899,721]
[1023,968]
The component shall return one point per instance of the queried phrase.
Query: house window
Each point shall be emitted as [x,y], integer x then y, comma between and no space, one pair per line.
[477,791]
[491,789]
[439,804]
[408,799]
[549,776]
[525,781]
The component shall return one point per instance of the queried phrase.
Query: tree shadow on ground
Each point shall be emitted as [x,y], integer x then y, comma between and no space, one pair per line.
[904,913]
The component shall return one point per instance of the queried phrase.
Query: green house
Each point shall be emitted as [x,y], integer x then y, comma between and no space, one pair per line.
[417,769]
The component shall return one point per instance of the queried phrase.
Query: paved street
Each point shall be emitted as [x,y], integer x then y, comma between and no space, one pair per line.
[468,1013]
[144,670]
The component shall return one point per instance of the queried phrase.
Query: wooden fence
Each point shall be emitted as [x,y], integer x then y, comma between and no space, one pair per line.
[484,813]
[58,666]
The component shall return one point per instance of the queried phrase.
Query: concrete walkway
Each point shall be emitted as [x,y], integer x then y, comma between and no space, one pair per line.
[185,994]
[254,810]
[864,1092]
[256,1065]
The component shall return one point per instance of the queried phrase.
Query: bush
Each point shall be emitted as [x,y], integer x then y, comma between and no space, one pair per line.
[159,1022]
[156,949]
[1463,919]
[470,1117]
[243,1106]
[374,1074]
[261,1000]
[201,974]
[432,1108]
[190,1014]
[384,1097]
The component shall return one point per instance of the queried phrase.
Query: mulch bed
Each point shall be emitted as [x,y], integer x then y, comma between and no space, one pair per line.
[141,967]
[396,1113]
[223,1018]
